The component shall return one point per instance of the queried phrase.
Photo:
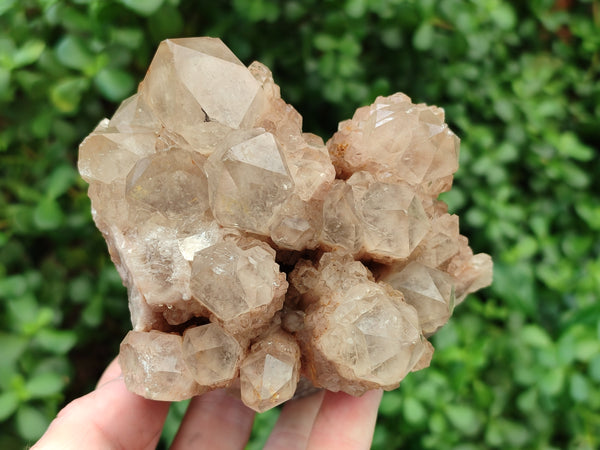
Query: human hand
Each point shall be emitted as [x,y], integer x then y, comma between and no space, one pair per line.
[111,417]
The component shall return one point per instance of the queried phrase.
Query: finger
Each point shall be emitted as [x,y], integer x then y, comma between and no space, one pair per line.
[295,422]
[345,422]
[214,420]
[110,417]
[110,373]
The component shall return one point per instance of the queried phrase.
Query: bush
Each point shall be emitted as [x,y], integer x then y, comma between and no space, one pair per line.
[519,364]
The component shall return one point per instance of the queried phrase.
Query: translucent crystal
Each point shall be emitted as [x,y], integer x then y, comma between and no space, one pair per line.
[441,243]
[170,182]
[342,229]
[238,285]
[372,336]
[157,266]
[397,140]
[254,254]
[211,354]
[360,334]
[297,224]
[152,364]
[248,180]
[195,80]
[430,291]
[393,218]
[134,115]
[108,156]
[269,374]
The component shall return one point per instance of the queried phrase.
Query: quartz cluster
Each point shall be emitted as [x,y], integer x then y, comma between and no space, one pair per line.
[256,257]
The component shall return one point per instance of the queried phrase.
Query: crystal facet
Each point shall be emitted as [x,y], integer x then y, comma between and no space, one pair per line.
[257,257]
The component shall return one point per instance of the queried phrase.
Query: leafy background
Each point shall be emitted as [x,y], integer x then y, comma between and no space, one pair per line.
[519,364]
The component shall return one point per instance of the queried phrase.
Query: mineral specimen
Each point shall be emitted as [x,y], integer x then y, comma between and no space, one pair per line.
[255,256]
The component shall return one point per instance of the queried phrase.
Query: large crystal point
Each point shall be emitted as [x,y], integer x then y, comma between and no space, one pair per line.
[361,334]
[430,291]
[241,287]
[397,140]
[248,180]
[269,374]
[211,354]
[195,80]
[254,254]
[153,366]
[170,182]
[393,218]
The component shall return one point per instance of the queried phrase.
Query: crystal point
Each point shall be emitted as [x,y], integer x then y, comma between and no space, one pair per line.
[152,364]
[211,354]
[269,374]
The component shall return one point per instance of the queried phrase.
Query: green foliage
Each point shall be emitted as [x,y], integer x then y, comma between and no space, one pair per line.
[519,364]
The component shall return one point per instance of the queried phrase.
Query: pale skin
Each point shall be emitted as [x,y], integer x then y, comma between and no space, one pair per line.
[110,417]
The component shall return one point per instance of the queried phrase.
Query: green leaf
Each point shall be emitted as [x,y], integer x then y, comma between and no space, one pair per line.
[93,313]
[513,434]
[325,42]
[535,336]
[143,7]
[493,434]
[437,423]
[114,84]
[60,180]
[594,368]
[569,145]
[11,348]
[527,401]
[31,423]
[464,418]
[587,348]
[590,213]
[130,38]
[23,310]
[13,286]
[391,37]
[44,385]
[80,289]
[9,401]
[423,37]
[391,403]
[413,411]
[579,388]
[355,8]
[167,22]
[66,94]
[29,53]
[524,249]
[5,5]
[48,215]
[7,52]
[552,381]
[503,15]
[5,86]
[72,52]
[56,341]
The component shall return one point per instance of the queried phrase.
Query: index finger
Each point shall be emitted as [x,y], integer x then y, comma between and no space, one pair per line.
[345,422]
